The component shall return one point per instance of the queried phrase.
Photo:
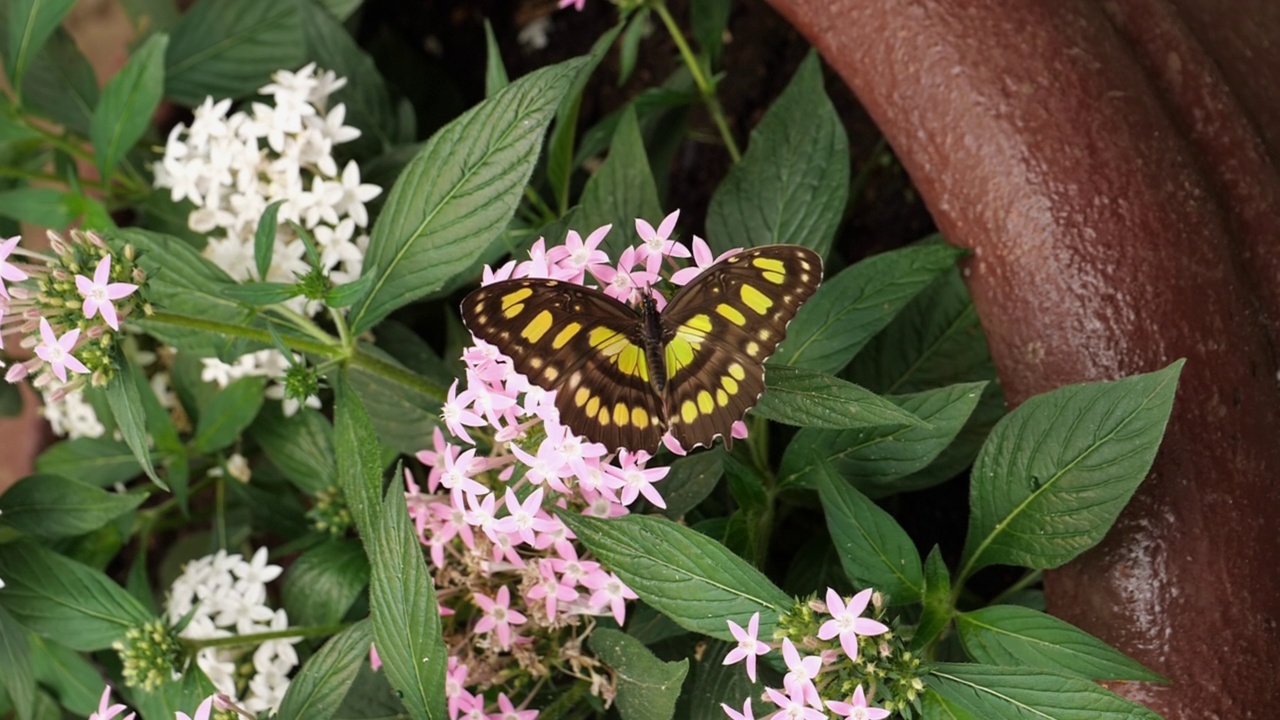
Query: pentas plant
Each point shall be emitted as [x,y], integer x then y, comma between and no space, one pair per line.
[519,592]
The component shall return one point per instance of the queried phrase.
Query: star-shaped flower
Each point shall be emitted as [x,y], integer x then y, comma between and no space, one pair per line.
[846,623]
[9,271]
[99,292]
[856,708]
[57,350]
[748,646]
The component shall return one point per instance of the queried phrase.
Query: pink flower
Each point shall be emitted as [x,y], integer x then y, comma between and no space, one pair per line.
[457,474]
[577,4]
[657,244]
[507,710]
[702,260]
[552,589]
[523,520]
[577,257]
[748,646]
[792,707]
[623,282]
[105,711]
[57,350]
[457,413]
[636,480]
[9,271]
[846,623]
[610,592]
[375,662]
[98,293]
[498,616]
[856,708]
[746,713]
[802,673]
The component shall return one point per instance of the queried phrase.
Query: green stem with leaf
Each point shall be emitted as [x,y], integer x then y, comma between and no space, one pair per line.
[705,84]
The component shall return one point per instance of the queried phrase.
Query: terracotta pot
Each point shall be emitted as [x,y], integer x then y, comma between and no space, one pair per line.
[1111,165]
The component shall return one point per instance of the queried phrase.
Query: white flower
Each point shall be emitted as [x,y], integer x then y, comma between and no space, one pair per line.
[355,194]
[71,416]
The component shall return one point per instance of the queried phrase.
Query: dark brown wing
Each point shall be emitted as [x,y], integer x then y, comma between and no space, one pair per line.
[720,329]
[582,344]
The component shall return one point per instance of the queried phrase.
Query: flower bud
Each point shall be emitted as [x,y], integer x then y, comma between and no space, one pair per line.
[16,373]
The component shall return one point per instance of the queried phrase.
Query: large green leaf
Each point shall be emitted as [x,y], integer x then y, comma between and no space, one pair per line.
[64,600]
[1055,473]
[17,681]
[61,85]
[229,48]
[98,461]
[319,687]
[128,101]
[647,687]
[874,549]
[301,446]
[683,574]
[621,190]
[458,194]
[323,582]
[850,308]
[793,182]
[1028,694]
[1013,636]
[228,414]
[131,419]
[30,23]
[806,398]
[874,458]
[52,506]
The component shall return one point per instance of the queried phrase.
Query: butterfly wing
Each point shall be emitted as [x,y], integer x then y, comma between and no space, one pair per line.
[582,344]
[719,330]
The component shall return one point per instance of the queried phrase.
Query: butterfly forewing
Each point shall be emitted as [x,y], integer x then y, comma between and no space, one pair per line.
[581,343]
[721,328]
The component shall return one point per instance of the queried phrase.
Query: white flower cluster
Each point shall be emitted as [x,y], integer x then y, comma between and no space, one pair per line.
[263,363]
[70,416]
[220,163]
[229,597]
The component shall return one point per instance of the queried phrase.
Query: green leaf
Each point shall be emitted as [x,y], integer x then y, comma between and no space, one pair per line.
[458,194]
[850,308]
[46,207]
[647,687]
[874,549]
[629,46]
[709,20]
[229,48]
[317,691]
[262,294]
[131,420]
[690,480]
[936,340]
[1012,636]
[128,101]
[495,73]
[323,582]
[1055,473]
[874,458]
[622,189]
[60,83]
[51,506]
[683,574]
[98,461]
[365,95]
[1028,694]
[15,656]
[346,294]
[793,182]
[937,609]
[340,9]
[301,446]
[406,618]
[73,680]
[228,414]
[30,23]
[402,412]
[264,238]
[560,157]
[806,398]
[359,461]
[60,598]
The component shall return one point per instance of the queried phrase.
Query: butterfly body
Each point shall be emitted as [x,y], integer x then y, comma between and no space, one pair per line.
[622,377]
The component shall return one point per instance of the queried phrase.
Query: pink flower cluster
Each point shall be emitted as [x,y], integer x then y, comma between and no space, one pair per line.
[498,552]
[801,697]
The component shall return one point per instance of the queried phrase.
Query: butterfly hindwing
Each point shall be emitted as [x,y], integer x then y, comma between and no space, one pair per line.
[581,343]
[721,327]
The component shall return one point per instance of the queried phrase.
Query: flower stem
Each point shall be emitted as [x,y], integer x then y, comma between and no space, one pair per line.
[705,85]
[258,638]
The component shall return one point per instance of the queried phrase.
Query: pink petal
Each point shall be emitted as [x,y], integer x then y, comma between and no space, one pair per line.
[103,272]
[115,291]
[84,285]
[108,314]
[68,341]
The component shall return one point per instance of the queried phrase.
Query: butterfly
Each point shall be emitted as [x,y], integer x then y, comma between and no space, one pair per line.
[625,377]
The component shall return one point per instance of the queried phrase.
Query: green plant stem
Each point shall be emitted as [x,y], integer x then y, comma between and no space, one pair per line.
[257,638]
[705,86]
